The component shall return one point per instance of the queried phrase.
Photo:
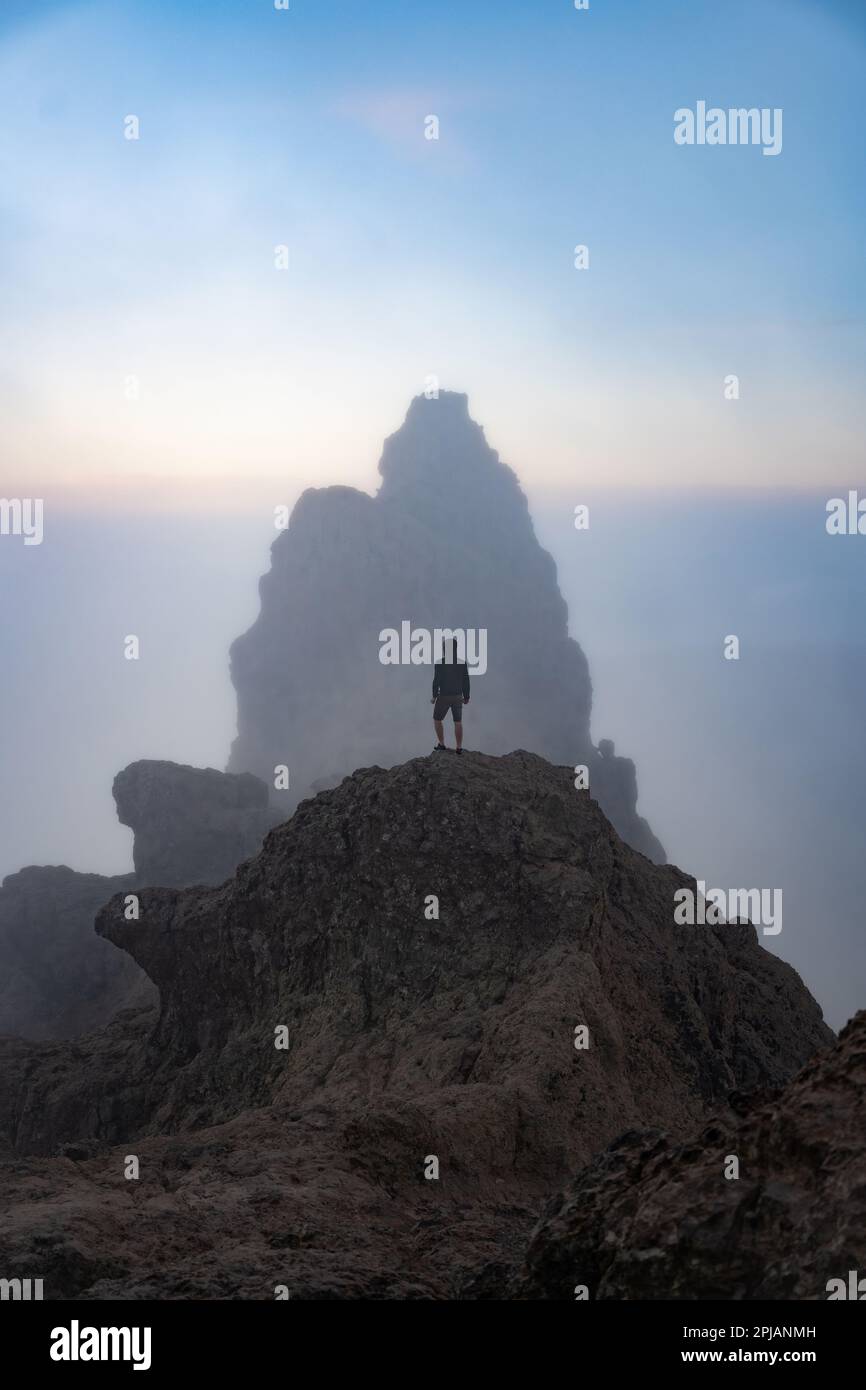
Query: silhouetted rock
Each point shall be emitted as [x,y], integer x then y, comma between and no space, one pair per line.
[191,824]
[654,1218]
[57,977]
[411,1036]
[447,542]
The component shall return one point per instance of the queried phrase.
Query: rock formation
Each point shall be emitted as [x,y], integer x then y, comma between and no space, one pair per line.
[191,824]
[447,542]
[57,977]
[656,1218]
[430,936]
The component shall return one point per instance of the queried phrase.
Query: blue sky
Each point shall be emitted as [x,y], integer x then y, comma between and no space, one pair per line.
[410,257]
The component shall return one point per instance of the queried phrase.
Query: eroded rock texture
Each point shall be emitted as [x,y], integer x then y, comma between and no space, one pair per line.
[656,1218]
[411,1036]
[447,542]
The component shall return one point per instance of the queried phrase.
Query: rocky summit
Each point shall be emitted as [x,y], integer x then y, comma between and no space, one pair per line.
[447,542]
[436,993]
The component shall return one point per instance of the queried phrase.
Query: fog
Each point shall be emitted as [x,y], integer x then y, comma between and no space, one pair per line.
[751,772]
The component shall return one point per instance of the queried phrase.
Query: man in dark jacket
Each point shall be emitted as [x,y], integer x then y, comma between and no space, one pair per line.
[450,691]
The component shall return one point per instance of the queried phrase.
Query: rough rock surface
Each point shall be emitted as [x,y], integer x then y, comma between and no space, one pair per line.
[58,979]
[447,542]
[409,1036]
[654,1218]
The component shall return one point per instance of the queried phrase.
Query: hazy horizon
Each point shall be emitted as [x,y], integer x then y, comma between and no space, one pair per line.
[735,772]
[340,1014]
[239,303]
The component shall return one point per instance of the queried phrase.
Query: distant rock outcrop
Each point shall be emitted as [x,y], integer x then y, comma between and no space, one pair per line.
[447,542]
[657,1218]
[191,824]
[57,977]
[425,941]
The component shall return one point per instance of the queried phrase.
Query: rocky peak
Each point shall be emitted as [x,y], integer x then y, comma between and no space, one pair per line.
[439,467]
[544,920]
[431,937]
[447,542]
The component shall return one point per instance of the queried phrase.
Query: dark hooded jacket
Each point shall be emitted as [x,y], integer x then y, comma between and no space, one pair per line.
[450,676]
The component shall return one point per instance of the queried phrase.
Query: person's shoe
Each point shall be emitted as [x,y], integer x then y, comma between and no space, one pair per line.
[440,748]
[458,750]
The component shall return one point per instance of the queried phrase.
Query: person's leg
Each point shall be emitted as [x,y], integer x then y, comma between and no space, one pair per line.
[458,725]
[440,709]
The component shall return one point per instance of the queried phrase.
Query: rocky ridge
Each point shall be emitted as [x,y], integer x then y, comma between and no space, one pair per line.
[411,1036]
[447,541]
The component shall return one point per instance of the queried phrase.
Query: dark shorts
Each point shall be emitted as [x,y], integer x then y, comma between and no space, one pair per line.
[446,702]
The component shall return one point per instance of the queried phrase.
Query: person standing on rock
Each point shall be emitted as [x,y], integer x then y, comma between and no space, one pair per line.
[450,691]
